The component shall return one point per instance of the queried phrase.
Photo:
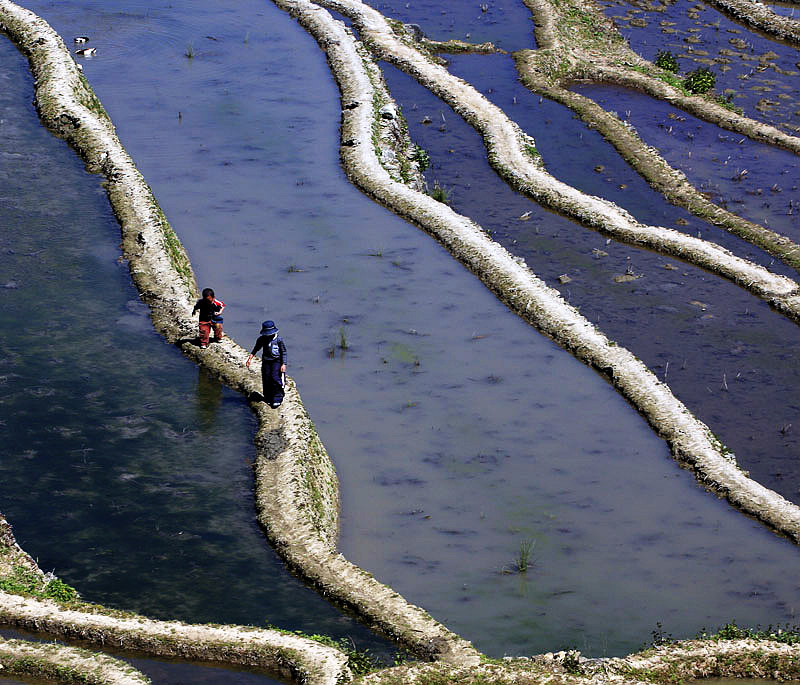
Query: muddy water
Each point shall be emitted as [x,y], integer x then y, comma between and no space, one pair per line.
[122,468]
[459,434]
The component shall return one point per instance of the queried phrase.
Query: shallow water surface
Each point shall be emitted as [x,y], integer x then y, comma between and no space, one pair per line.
[759,73]
[696,330]
[122,467]
[459,433]
[755,181]
[505,23]
[162,671]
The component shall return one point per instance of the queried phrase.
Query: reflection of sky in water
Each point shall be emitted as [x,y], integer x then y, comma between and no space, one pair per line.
[506,23]
[496,435]
[579,156]
[755,181]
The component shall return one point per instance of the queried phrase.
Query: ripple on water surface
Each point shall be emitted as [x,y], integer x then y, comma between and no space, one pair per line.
[444,405]
[122,468]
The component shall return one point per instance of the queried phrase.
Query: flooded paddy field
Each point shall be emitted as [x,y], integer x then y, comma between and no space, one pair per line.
[161,671]
[697,330]
[123,468]
[758,182]
[459,433]
[758,73]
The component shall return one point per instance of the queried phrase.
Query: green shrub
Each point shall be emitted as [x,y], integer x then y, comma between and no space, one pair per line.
[787,634]
[440,194]
[360,661]
[422,157]
[700,80]
[667,61]
[61,592]
[22,581]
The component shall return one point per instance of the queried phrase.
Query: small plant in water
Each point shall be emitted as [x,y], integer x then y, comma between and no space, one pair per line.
[667,61]
[440,194]
[189,51]
[660,637]
[700,80]
[524,557]
[342,338]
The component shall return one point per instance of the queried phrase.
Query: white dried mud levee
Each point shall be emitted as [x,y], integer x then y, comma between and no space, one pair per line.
[691,442]
[292,656]
[297,488]
[65,664]
[613,65]
[760,16]
[298,658]
[512,153]
[696,659]
[687,661]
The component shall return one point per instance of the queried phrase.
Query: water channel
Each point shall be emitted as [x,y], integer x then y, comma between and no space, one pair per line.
[458,432]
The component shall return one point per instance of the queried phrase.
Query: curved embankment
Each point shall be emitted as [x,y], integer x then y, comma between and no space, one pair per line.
[295,657]
[691,442]
[672,663]
[601,55]
[513,155]
[296,485]
[577,42]
[760,16]
[65,664]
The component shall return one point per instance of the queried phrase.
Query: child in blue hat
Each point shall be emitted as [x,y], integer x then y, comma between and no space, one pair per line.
[273,363]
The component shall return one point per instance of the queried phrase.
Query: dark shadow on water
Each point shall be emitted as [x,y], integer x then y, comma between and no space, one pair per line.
[121,468]
[209,398]
[162,671]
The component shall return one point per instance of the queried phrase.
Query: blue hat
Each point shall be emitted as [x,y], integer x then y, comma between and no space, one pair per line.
[268,328]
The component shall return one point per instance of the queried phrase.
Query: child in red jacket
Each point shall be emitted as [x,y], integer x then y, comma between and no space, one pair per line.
[210,310]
